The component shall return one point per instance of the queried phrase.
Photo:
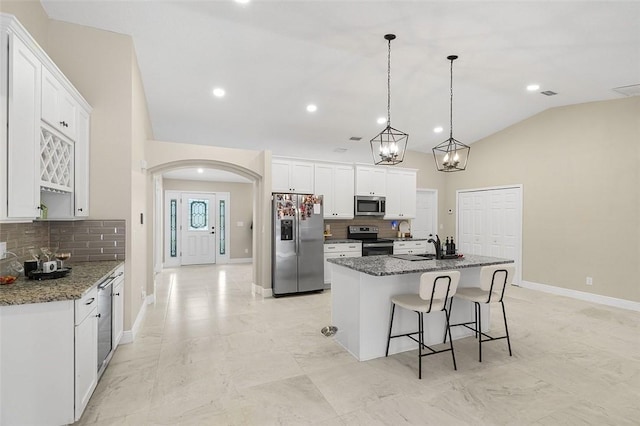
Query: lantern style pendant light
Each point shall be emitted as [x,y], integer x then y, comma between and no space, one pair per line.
[451,155]
[389,146]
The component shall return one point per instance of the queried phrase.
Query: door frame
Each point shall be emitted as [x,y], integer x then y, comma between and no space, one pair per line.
[168,261]
[520,261]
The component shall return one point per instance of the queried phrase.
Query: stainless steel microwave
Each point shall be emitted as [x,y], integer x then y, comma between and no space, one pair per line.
[369,206]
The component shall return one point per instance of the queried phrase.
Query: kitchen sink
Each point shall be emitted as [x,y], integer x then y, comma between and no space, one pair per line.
[415,257]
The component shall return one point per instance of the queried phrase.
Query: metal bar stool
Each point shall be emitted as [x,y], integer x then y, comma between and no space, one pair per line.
[493,282]
[435,289]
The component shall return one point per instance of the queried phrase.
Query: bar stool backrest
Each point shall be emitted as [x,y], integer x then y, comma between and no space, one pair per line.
[438,286]
[494,280]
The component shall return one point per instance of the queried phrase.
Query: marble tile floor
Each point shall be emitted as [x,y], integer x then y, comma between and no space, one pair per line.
[210,352]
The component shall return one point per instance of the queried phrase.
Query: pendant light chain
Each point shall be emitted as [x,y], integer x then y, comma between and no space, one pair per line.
[451,103]
[389,85]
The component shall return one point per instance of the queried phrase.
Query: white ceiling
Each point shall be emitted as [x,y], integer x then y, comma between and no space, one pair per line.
[274,57]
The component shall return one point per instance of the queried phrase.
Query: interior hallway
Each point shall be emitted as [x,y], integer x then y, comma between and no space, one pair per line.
[211,353]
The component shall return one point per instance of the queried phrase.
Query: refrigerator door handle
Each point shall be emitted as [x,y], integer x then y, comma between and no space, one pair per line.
[296,231]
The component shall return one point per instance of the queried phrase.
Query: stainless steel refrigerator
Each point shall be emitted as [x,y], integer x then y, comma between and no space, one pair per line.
[297,251]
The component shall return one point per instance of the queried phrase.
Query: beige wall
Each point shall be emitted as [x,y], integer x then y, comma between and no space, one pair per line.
[579,166]
[428,177]
[102,66]
[241,203]
[32,16]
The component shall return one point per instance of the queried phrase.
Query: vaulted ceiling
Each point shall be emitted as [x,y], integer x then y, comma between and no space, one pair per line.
[273,58]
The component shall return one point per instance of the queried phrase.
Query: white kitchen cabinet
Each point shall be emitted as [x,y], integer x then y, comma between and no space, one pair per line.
[21,116]
[332,251]
[410,247]
[45,118]
[85,349]
[335,183]
[292,176]
[49,354]
[81,169]
[59,108]
[371,181]
[37,368]
[117,304]
[401,195]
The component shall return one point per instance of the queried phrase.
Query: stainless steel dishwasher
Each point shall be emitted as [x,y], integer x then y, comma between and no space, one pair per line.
[104,322]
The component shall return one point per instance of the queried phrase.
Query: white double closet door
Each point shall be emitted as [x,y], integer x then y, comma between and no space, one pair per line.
[490,224]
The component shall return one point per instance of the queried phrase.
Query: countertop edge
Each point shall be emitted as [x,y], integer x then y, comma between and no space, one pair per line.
[83,277]
[380,266]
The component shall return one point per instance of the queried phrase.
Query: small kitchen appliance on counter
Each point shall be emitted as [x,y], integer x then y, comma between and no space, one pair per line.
[43,268]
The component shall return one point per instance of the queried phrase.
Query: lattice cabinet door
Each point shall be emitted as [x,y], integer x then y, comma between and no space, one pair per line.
[56,162]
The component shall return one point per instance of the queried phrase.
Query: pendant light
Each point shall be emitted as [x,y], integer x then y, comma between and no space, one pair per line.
[451,155]
[389,146]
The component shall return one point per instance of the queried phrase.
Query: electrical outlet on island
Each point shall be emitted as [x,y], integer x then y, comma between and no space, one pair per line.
[3,249]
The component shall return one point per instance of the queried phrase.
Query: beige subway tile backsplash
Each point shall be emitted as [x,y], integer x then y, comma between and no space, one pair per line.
[86,240]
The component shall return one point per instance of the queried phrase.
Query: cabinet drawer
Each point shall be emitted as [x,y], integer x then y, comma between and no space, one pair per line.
[343,248]
[87,304]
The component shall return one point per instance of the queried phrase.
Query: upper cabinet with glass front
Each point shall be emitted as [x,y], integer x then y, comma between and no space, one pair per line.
[45,139]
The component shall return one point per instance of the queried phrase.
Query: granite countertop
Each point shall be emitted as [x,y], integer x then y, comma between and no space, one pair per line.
[344,241]
[387,265]
[82,277]
[408,239]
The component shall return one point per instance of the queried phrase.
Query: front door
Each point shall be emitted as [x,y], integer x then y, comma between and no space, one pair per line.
[198,229]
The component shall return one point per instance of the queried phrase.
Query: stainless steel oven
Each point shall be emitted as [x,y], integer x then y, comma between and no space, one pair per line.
[369,206]
[377,248]
[371,244]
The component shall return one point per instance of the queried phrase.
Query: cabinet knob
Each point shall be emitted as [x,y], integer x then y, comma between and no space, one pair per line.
[80,209]
[116,294]
[98,316]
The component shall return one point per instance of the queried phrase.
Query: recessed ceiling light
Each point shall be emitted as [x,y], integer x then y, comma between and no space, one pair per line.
[381,120]
[533,87]
[200,171]
[438,129]
[218,92]
[312,108]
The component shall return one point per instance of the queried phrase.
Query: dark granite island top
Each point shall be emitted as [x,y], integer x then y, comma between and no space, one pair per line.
[379,266]
[82,277]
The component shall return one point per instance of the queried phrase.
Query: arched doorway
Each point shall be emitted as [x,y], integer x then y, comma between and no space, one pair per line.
[260,250]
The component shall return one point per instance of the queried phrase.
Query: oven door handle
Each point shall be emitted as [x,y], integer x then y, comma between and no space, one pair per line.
[106,283]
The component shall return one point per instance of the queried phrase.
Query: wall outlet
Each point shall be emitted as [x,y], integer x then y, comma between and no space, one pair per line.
[246,250]
[143,294]
[589,281]
[3,249]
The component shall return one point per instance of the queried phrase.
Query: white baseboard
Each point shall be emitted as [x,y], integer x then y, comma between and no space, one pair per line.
[151,299]
[581,295]
[130,335]
[241,260]
[265,292]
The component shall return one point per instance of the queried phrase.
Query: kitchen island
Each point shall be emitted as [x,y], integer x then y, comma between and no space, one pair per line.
[361,291]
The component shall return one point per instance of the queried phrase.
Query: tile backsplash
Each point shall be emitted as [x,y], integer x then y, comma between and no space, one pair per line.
[86,240]
[90,240]
[339,227]
[20,237]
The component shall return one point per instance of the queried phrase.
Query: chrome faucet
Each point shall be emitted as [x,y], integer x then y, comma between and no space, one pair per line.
[437,244]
